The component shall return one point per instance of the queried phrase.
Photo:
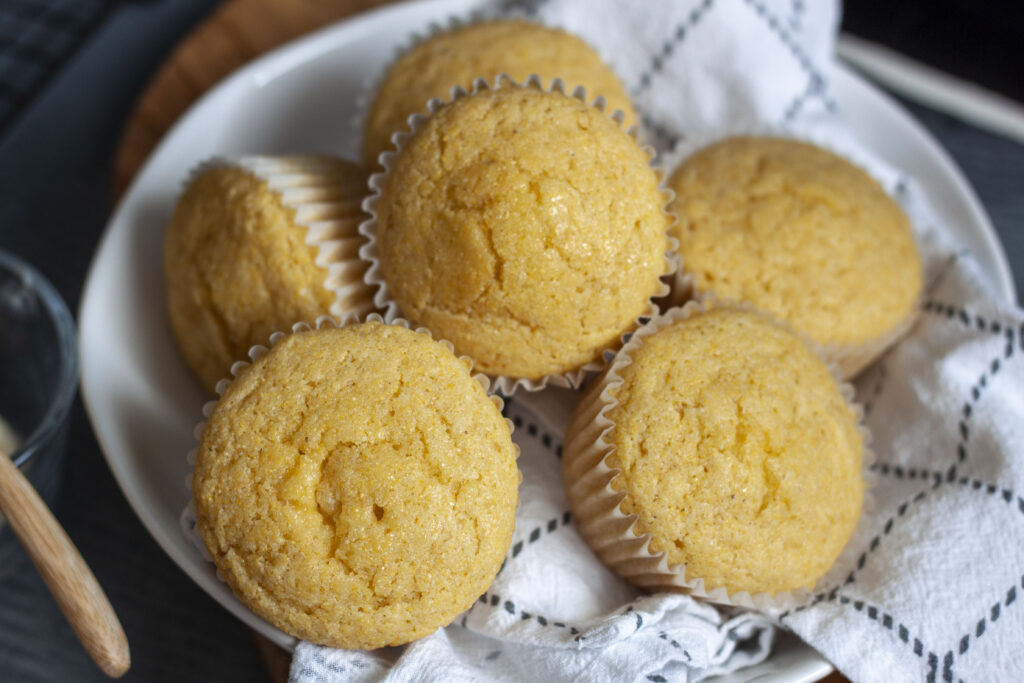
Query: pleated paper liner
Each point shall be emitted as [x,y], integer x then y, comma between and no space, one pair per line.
[326,195]
[611,533]
[384,300]
[364,101]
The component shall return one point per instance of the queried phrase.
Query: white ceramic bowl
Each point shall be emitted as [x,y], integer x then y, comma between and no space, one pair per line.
[143,401]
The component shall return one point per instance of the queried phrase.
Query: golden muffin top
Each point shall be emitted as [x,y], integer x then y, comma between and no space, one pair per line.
[799,232]
[737,452]
[524,226]
[238,267]
[456,57]
[356,486]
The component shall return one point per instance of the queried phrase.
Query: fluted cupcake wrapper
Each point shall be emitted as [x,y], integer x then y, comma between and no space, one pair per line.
[851,359]
[371,85]
[385,301]
[188,516]
[328,203]
[612,534]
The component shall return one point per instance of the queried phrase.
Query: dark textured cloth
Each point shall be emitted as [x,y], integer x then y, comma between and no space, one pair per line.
[56,148]
[36,38]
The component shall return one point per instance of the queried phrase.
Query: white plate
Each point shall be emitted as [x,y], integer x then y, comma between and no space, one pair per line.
[141,398]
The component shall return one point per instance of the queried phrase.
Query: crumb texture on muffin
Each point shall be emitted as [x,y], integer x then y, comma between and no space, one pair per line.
[356,486]
[238,267]
[799,232]
[485,50]
[525,227]
[738,453]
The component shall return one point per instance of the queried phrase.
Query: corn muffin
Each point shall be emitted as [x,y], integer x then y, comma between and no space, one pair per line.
[356,486]
[803,234]
[257,244]
[485,50]
[525,227]
[732,447]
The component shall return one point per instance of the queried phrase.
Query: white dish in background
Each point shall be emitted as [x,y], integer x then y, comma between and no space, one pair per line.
[143,401]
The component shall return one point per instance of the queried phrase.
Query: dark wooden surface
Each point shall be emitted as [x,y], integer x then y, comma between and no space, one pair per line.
[234,34]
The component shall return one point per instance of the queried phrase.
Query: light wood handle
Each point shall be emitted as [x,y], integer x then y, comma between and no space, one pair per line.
[65,572]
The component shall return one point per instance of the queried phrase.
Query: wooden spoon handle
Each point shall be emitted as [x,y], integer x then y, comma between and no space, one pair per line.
[65,572]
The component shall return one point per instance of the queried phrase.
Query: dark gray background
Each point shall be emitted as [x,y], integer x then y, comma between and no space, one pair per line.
[66,91]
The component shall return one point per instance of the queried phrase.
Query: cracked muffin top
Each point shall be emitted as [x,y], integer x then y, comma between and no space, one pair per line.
[237,264]
[799,232]
[525,227]
[516,48]
[737,451]
[357,487]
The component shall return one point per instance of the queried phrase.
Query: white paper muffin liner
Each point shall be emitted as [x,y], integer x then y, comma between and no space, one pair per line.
[850,358]
[189,516]
[371,85]
[385,301]
[612,535]
[329,206]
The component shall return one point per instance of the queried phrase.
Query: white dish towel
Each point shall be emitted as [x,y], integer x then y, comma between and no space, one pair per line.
[937,591]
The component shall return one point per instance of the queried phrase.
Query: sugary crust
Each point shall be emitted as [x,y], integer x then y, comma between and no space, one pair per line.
[799,232]
[356,486]
[238,266]
[525,227]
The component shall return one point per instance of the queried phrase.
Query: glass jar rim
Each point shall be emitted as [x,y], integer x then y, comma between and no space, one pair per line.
[67,382]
